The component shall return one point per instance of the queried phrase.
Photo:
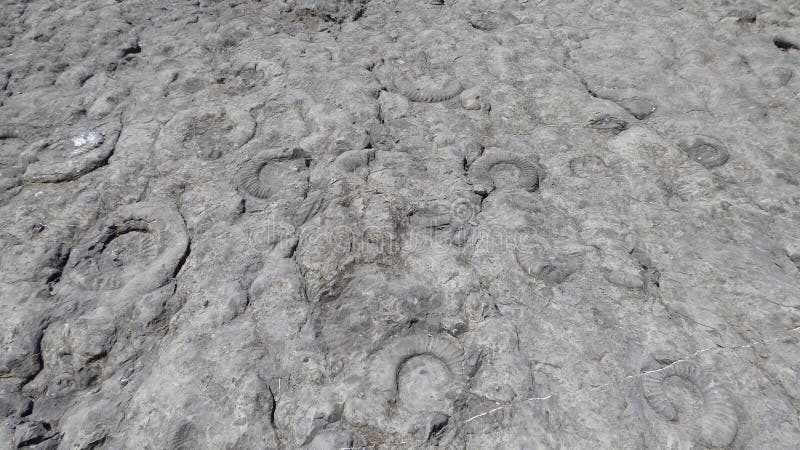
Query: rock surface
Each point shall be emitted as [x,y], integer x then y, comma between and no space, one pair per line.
[399,224]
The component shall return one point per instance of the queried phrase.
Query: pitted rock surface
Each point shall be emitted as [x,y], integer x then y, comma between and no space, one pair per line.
[399,224]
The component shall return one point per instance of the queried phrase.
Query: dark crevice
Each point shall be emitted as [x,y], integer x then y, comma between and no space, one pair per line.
[358,14]
[785,45]
[84,79]
[99,356]
[38,353]
[97,443]
[292,249]
[246,300]
[588,89]
[53,280]
[60,263]
[272,409]
[380,115]
[37,438]
[132,50]
[477,366]
[438,427]
[183,259]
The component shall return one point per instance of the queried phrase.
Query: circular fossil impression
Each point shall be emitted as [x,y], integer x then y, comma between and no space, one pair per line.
[139,244]
[588,166]
[114,260]
[705,406]
[495,164]
[422,384]
[428,88]
[388,371]
[206,133]
[73,153]
[418,81]
[705,150]
[271,172]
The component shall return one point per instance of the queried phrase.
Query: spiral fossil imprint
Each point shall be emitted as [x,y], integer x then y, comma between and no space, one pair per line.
[547,268]
[480,171]
[387,367]
[139,245]
[426,89]
[183,437]
[385,371]
[251,181]
[718,425]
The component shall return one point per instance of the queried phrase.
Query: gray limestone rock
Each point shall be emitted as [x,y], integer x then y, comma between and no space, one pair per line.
[346,224]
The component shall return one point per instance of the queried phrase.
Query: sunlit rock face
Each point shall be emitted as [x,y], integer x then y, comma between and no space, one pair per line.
[411,224]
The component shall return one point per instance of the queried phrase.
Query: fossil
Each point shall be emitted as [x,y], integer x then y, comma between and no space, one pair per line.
[480,172]
[140,245]
[718,424]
